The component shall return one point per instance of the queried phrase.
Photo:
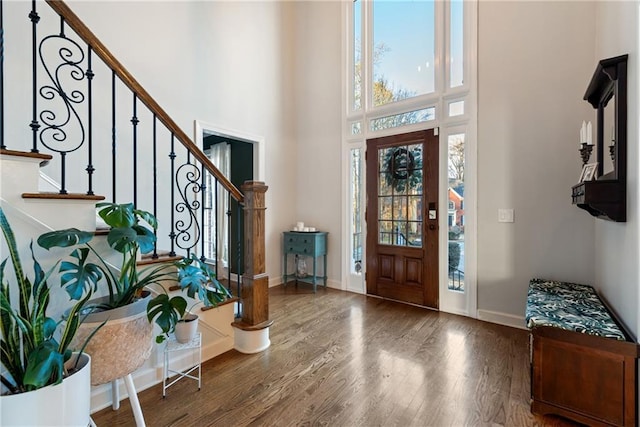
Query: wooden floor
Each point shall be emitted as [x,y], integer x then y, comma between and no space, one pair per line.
[342,359]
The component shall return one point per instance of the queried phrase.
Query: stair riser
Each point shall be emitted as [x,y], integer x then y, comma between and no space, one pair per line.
[19,175]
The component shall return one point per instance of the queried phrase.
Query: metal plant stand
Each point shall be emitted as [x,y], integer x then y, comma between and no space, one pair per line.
[195,345]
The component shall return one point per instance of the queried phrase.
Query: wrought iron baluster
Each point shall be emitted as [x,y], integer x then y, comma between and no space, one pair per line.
[203,189]
[155,188]
[90,169]
[34,125]
[134,122]
[2,145]
[63,130]
[216,227]
[188,181]
[173,183]
[239,256]
[114,177]
[229,238]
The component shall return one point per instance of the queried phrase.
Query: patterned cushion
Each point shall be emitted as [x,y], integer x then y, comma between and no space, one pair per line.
[569,306]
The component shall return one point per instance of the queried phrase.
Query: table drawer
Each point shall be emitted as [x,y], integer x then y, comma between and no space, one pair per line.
[304,243]
[299,248]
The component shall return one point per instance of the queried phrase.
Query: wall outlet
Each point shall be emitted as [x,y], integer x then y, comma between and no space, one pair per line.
[505,215]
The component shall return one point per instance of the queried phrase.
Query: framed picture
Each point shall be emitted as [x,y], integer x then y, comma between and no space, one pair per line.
[588,172]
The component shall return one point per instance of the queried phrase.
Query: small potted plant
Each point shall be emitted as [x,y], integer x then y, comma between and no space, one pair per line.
[199,281]
[43,382]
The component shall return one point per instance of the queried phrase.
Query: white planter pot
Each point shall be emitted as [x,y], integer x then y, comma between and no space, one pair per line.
[186,328]
[64,404]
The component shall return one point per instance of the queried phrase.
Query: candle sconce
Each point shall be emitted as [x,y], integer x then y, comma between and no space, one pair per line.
[585,152]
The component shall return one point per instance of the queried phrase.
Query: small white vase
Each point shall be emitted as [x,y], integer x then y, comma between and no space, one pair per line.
[186,328]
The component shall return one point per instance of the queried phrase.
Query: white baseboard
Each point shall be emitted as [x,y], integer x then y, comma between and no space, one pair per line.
[275,281]
[334,284]
[502,319]
[457,312]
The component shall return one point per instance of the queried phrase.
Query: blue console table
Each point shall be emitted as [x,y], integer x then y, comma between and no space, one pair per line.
[312,244]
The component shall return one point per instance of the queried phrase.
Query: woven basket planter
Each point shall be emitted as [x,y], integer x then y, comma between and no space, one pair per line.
[122,345]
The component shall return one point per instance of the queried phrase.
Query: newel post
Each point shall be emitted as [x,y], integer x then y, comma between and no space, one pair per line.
[251,334]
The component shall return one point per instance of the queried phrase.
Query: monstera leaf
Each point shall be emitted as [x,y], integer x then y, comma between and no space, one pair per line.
[125,215]
[117,216]
[166,312]
[79,274]
[64,238]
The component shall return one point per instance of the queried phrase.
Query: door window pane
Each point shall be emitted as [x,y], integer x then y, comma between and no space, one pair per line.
[456,211]
[403,50]
[400,195]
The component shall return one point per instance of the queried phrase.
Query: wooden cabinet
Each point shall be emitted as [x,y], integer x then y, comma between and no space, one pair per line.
[304,245]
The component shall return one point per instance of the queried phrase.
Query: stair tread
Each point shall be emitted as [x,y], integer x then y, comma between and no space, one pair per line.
[58,196]
[43,157]
[101,231]
[148,259]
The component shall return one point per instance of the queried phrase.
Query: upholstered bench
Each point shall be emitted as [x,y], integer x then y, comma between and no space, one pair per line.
[583,362]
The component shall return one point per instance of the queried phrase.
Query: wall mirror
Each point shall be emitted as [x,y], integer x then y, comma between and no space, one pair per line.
[606,197]
[609,137]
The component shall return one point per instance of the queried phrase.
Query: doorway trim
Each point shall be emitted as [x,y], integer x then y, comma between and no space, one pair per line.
[200,127]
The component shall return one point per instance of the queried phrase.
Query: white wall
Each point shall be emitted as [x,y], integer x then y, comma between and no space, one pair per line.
[318,96]
[535,61]
[617,255]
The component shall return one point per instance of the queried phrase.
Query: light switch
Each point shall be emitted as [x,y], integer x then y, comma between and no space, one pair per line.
[505,215]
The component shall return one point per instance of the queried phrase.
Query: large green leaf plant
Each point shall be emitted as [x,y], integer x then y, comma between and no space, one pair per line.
[33,346]
[128,235]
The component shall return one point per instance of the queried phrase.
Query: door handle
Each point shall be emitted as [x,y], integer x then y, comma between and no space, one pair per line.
[432,227]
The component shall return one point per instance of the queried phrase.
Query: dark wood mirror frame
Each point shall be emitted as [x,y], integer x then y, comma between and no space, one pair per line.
[606,197]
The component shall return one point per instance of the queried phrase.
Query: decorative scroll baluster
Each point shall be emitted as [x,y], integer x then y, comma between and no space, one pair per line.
[134,122]
[188,231]
[2,146]
[114,177]
[63,130]
[155,187]
[203,192]
[173,183]
[33,16]
[90,169]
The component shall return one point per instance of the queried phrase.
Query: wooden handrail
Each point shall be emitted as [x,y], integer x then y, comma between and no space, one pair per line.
[72,20]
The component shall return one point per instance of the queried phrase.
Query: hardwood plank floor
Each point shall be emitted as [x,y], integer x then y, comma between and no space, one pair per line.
[342,359]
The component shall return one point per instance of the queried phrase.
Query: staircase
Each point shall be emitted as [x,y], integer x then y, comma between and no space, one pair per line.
[77,128]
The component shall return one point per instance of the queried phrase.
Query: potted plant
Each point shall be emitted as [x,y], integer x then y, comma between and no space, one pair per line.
[44,383]
[121,347]
[199,281]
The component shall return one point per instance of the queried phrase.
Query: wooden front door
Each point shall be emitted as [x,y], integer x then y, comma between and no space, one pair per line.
[402,222]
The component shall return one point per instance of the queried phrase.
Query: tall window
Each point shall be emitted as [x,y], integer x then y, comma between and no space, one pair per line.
[408,64]
[410,68]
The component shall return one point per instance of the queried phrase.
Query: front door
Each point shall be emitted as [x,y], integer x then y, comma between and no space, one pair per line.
[402,222]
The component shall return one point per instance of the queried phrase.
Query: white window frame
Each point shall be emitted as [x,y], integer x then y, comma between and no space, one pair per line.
[459,303]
